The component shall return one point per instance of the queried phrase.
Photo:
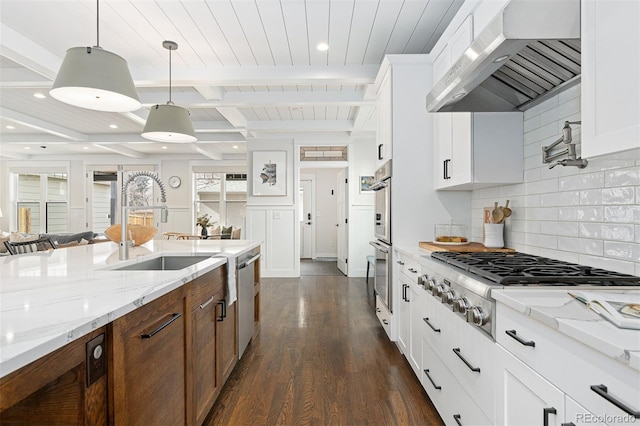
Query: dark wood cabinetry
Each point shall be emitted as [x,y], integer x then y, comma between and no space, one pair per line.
[54,390]
[147,380]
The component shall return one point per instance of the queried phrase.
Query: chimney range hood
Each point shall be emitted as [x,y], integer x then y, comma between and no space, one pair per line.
[528,53]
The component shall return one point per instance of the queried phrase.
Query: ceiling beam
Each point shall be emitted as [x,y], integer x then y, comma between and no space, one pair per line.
[30,55]
[41,125]
[210,93]
[363,119]
[122,150]
[206,151]
[307,125]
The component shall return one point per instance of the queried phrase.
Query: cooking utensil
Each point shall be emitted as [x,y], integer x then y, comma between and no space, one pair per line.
[506,210]
[497,215]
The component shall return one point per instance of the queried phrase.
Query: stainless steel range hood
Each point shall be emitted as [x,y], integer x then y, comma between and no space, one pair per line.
[529,52]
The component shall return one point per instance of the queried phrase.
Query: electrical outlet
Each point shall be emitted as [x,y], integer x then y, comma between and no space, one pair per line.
[96,359]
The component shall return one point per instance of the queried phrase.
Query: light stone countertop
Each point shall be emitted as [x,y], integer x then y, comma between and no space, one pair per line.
[49,299]
[556,309]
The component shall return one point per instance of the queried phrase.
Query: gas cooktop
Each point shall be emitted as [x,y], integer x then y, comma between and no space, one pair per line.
[526,269]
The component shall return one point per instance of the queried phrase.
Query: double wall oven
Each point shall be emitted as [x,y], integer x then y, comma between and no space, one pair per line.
[382,231]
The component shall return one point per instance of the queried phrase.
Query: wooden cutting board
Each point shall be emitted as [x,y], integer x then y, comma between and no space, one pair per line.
[467,248]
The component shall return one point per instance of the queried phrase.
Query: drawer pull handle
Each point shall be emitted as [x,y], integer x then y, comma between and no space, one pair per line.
[545,415]
[400,262]
[513,335]
[426,371]
[413,270]
[471,367]
[223,311]
[457,418]
[385,322]
[163,326]
[568,424]
[207,303]
[437,330]
[602,391]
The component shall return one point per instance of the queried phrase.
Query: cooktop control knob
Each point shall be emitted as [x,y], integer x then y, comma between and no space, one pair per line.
[423,280]
[477,316]
[449,296]
[438,290]
[461,305]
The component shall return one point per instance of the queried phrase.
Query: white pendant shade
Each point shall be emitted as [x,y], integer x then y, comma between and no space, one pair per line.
[93,78]
[169,123]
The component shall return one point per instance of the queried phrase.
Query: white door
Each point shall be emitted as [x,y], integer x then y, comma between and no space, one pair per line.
[342,225]
[307,217]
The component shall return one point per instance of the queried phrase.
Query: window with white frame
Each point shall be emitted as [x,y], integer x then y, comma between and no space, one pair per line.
[41,202]
[221,196]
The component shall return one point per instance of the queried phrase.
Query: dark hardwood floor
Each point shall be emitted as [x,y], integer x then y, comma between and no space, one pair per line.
[321,357]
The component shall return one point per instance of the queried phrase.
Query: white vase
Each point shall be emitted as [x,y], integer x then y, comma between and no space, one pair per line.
[494,235]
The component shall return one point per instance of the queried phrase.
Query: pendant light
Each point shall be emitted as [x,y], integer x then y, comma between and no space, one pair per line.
[169,123]
[93,78]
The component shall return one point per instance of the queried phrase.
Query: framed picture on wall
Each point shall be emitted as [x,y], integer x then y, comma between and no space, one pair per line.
[269,173]
[365,183]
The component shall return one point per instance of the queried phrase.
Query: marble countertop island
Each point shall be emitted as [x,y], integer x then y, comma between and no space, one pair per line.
[49,299]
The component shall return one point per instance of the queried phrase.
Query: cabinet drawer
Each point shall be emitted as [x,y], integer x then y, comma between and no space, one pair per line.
[453,403]
[572,366]
[205,286]
[409,267]
[383,316]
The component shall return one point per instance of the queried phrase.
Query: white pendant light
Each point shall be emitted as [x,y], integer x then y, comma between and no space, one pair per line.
[169,123]
[93,78]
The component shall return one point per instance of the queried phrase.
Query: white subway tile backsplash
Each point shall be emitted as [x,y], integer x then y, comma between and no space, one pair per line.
[582,213]
[624,251]
[569,198]
[583,181]
[591,197]
[589,216]
[623,177]
[622,214]
[620,195]
[607,263]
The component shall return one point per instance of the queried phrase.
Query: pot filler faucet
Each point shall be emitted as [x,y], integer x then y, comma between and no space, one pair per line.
[570,152]
[164,213]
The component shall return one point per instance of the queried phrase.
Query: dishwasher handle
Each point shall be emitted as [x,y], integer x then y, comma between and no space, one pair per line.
[243,265]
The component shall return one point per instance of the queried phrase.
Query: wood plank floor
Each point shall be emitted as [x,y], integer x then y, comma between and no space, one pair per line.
[321,358]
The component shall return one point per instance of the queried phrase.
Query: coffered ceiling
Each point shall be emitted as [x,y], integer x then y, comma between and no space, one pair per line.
[244,68]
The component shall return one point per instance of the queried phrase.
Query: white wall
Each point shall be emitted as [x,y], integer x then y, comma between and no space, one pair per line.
[589,216]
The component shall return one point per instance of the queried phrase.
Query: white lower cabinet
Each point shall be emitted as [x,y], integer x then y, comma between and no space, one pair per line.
[524,397]
[384,316]
[576,415]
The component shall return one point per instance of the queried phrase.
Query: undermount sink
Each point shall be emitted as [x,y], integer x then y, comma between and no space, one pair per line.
[163,263]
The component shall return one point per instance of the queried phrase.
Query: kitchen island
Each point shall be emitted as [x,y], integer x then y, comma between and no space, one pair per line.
[60,300]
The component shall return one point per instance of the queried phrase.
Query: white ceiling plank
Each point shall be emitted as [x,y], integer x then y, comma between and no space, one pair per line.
[295,20]
[318,27]
[363,15]
[427,26]
[232,31]
[296,125]
[383,26]
[272,18]
[363,119]
[203,17]
[408,19]
[285,113]
[41,125]
[340,16]
[252,28]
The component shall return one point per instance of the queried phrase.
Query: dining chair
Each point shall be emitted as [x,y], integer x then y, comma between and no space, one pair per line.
[33,246]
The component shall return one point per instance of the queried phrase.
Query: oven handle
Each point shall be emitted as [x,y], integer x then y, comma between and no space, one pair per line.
[379,246]
[381,184]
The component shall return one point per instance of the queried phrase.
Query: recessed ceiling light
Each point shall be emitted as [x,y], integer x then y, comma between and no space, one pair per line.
[10,127]
[164,147]
[322,47]
[235,147]
[39,95]
[113,126]
[458,95]
[85,147]
[27,147]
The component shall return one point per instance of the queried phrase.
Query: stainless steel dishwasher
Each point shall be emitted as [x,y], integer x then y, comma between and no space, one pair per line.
[245,277]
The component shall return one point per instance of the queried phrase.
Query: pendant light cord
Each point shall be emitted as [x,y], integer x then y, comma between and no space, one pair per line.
[97,23]
[170,75]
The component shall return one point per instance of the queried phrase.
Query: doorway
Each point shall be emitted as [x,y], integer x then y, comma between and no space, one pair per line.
[322,215]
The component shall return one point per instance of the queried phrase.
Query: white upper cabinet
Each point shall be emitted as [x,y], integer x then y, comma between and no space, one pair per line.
[475,150]
[454,49]
[384,108]
[610,76]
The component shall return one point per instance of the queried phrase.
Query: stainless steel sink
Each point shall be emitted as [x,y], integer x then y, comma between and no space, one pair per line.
[163,263]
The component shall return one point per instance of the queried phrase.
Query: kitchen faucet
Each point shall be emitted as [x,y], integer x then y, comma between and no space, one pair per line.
[570,151]
[164,214]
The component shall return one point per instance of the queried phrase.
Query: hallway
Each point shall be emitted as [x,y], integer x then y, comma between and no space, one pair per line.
[320,357]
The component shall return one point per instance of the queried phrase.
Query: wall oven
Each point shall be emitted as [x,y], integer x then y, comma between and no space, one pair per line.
[382,231]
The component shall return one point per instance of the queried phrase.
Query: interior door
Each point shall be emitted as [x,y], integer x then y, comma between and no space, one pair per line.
[342,225]
[306,219]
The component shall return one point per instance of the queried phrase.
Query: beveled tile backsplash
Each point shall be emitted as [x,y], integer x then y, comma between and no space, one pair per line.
[589,216]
